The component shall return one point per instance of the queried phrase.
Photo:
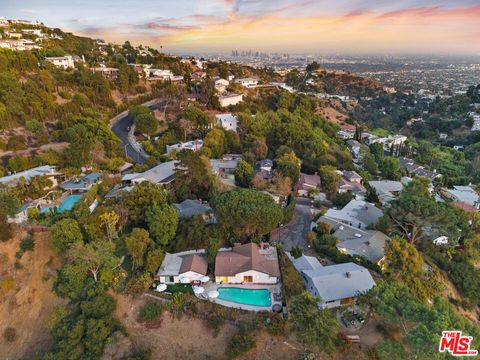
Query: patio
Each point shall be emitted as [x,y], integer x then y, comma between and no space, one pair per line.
[275,295]
[351,318]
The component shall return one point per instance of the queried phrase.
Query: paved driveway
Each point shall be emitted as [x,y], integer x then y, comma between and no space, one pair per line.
[295,232]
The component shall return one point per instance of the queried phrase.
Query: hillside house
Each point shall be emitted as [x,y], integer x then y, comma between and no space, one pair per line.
[337,285]
[247,82]
[249,263]
[356,213]
[163,173]
[183,267]
[194,145]
[63,62]
[307,183]
[230,99]
[227,121]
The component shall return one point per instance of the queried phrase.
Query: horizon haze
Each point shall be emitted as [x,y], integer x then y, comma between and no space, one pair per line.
[286,26]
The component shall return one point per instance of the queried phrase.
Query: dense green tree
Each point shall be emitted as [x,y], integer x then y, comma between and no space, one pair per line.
[342,199]
[162,221]
[425,152]
[199,117]
[191,233]
[38,186]
[404,263]
[95,258]
[376,149]
[216,142]
[193,177]
[312,327]
[143,196]
[390,168]
[79,151]
[146,124]
[9,201]
[289,165]
[65,233]
[137,244]
[416,215]
[329,179]
[247,212]
[243,174]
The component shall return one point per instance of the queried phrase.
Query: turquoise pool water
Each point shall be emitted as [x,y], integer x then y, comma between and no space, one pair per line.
[255,297]
[66,204]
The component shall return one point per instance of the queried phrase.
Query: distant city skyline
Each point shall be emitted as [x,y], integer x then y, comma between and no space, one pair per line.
[284,26]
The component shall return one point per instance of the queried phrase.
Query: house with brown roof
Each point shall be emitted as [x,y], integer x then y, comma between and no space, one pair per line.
[307,183]
[180,267]
[249,263]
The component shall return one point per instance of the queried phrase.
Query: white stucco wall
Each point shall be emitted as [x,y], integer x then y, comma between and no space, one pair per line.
[176,278]
[258,278]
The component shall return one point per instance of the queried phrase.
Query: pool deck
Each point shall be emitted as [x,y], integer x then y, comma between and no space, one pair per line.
[211,286]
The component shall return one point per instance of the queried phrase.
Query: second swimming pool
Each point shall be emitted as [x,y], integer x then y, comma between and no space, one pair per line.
[65,205]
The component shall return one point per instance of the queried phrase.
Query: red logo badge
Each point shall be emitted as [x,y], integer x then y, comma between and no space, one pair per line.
[456,344]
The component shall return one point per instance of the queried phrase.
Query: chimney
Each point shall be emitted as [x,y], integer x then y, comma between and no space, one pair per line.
[348,274]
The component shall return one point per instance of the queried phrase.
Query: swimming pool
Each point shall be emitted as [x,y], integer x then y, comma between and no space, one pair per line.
[255,297]
[65,205]
[69,202]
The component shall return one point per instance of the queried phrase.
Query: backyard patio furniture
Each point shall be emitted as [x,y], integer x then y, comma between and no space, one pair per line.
[198,290]
[161,288]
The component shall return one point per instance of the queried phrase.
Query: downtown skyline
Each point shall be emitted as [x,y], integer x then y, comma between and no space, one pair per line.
[286,26]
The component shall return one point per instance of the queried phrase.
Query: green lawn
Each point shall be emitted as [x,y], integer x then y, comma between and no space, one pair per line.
[179,288]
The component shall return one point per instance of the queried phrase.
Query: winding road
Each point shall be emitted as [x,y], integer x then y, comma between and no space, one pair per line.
[121,126]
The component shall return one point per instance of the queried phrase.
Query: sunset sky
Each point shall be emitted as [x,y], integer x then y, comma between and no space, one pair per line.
[320,26]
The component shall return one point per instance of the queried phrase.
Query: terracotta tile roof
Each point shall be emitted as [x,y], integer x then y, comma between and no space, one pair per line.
[247,257]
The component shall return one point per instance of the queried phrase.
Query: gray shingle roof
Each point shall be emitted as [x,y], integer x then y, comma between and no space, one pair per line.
[189,208]
[340,281]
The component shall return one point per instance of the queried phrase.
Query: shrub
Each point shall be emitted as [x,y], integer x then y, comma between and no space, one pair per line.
[6,284]
[296,252]
[65,94]
[240,343]
[16,142]
[275,324]
[215,321]
[342,199]
[151,311]
[34,126]
[27,244]
[10,334]
[177,304]
[292,281]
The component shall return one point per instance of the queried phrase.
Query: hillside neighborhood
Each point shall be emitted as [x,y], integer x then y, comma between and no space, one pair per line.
[186,191]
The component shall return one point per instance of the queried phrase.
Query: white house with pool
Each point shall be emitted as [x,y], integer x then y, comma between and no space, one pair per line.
[247,264]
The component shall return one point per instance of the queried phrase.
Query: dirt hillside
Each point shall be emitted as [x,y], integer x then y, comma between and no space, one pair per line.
[26,297]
